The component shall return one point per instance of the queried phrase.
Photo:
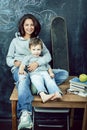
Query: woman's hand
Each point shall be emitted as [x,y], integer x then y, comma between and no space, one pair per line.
[33,66]
[17,63]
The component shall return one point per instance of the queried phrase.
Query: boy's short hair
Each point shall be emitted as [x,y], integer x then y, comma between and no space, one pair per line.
[35,41]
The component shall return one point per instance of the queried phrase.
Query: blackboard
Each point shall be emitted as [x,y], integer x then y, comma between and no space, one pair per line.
[75,14]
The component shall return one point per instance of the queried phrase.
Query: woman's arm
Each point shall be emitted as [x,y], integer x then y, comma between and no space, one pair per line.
[10,58]
[21,69]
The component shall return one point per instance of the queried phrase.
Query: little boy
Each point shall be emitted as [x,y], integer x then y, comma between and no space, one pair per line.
[42,77]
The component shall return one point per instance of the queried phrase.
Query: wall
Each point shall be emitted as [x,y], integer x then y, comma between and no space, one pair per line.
[75,14]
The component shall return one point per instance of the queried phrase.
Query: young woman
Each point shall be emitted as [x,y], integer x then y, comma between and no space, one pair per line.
[29,27]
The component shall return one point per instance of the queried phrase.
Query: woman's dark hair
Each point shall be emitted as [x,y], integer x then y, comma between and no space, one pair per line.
[36,25]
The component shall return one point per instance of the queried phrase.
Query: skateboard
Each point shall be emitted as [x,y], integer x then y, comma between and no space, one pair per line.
[59,43]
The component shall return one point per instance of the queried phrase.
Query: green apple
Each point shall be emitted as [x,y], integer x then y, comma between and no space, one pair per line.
[83,77]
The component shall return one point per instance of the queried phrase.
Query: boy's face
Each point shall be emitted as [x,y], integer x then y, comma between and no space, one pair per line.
[36,50]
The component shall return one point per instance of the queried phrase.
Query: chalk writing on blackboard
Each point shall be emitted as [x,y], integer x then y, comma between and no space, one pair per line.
[7,20]
[47,16]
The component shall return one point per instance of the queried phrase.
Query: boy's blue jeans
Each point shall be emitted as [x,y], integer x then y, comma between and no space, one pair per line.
[44,83]
[25,97]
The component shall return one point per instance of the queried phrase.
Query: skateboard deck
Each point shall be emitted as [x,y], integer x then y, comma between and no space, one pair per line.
[59,43]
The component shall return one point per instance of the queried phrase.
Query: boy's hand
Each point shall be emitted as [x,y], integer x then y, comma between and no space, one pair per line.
[51,75]
[22,72]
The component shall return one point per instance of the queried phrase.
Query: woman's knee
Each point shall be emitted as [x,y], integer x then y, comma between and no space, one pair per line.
[60,76]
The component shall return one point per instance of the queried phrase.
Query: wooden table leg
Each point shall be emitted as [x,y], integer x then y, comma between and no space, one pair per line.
[71,117]
[14,115]
[84,124]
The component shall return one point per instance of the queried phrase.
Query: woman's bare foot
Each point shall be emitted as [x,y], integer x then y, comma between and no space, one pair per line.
[46,97]
[57,95]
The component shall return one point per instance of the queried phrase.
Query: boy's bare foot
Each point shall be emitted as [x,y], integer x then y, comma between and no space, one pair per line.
[57,95]
[46,97]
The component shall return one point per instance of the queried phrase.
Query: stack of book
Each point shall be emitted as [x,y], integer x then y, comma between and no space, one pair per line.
[77,86]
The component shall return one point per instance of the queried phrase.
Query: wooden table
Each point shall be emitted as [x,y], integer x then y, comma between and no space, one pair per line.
[68,101]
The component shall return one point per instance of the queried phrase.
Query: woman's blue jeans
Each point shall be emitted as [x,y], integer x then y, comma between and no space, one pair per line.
[25,97]
[60,75]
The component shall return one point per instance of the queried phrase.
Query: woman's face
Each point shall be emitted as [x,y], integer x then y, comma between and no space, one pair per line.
[28,27]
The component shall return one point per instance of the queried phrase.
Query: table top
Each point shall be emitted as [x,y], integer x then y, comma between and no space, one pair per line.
[67,97]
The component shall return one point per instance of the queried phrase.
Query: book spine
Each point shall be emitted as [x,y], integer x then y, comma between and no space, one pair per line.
[77,88]
[77,83]
[80,86]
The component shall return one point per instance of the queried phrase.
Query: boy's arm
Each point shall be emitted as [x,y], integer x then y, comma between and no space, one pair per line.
[51,72]
[21,69]
[24,62]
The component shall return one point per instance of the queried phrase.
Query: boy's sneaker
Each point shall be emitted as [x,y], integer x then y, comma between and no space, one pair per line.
[25,121]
